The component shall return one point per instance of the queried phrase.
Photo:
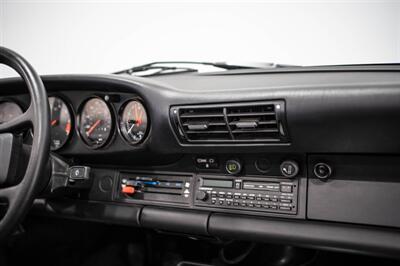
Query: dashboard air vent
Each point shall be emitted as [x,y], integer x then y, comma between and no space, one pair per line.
[262,122]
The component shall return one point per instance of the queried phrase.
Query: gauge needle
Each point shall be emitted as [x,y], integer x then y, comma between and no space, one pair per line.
[93,127]
[68,127]
[137,122]
[54,122]
[129,131]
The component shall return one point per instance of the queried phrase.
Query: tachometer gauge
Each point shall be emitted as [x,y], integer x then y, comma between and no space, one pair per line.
[133,122]
[60,123]
[9,111]
[95,123]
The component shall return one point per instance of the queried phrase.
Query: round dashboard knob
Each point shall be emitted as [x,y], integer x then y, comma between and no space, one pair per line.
[322,171]
[289,169]
[233,166]
[201,195]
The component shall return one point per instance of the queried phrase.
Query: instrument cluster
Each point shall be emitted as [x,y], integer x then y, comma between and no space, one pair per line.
[96,122]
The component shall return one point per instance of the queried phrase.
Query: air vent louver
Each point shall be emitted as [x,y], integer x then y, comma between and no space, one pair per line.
[231,123]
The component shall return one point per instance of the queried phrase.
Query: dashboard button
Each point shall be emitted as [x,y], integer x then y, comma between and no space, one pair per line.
[322,171]
[286,200]
[233,166]
[286,188]
[79,172]
[262,165]
[128,190]
[289,169]
[238,184]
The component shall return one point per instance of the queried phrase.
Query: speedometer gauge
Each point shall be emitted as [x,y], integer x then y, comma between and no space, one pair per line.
[95,123]
[60,123]
[133,122]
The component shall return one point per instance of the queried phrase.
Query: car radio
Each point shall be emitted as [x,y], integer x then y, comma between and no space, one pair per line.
[246,193]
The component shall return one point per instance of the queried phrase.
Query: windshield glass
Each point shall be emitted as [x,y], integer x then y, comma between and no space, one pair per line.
[109,36]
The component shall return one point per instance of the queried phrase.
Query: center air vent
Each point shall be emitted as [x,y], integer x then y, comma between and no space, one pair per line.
[231,123]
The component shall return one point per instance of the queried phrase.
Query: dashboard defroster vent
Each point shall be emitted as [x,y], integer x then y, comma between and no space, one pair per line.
[260,122]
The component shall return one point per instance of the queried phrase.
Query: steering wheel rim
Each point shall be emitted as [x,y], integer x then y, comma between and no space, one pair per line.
[20,197]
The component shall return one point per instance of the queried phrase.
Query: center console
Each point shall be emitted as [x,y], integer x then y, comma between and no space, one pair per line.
[222,184]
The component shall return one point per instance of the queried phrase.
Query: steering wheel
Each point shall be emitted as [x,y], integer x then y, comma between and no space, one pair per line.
[20,196]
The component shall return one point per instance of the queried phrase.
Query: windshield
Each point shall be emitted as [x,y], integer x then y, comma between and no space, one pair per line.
[108,36]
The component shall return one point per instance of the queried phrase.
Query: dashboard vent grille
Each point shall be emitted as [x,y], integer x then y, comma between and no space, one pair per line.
[231,123]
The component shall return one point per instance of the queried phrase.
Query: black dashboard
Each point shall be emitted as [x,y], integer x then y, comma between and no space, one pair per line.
[306,156]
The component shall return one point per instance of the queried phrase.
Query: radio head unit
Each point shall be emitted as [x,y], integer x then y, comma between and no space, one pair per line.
[246,193]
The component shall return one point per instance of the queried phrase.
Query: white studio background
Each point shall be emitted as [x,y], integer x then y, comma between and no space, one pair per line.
[106,36]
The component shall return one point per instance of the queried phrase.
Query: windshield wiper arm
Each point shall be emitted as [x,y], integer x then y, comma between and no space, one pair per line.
[174,69]
[157,65]
[156,70]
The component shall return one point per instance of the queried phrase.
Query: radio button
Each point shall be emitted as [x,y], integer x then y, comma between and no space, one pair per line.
[238,184]
[286,188]
[286,200]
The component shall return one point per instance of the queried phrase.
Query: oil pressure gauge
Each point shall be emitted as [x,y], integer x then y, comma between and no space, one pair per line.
[133,122]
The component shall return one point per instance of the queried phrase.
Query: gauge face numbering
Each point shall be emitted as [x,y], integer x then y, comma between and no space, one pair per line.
[133,122]
[95,124]
[60,123]
[9,111]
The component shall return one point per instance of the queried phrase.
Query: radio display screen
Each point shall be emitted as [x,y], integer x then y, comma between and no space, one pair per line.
[217,183]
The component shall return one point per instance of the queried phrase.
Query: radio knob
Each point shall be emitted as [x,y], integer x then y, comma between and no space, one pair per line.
[289,169]
[201,195]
